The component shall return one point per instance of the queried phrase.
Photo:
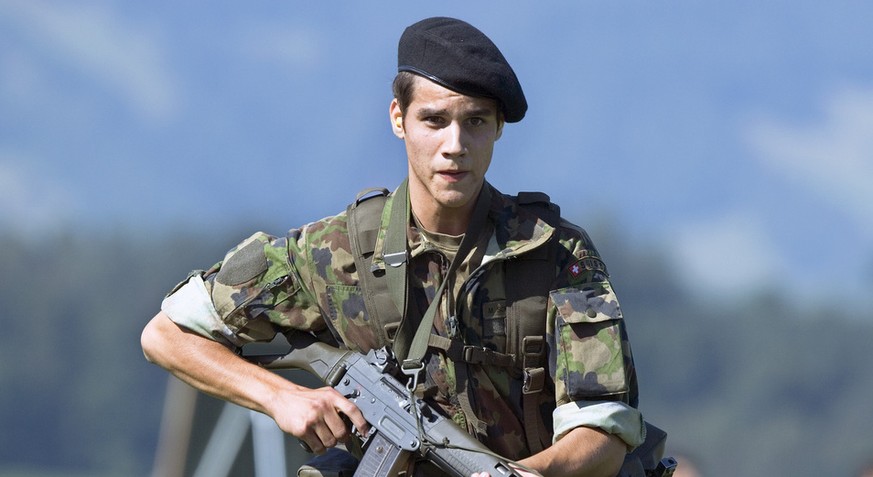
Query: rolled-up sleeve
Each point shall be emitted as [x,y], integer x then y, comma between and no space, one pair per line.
[613,417]
[191,306]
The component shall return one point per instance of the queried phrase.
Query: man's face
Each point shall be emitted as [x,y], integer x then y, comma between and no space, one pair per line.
[449,141]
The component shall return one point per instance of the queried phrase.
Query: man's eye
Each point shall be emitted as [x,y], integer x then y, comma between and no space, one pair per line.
[476,121]
[435,120]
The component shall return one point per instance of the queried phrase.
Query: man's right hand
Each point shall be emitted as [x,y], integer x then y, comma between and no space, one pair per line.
[319,417]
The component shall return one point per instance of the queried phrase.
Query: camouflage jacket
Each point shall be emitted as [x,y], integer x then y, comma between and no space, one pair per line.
[307,281]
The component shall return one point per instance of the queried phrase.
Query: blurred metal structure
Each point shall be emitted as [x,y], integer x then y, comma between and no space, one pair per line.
[224,444]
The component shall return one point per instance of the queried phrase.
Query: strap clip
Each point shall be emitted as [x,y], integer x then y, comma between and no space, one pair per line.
[534,380]
[410,369]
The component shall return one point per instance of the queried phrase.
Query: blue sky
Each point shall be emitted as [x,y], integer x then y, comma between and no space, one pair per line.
[734,137]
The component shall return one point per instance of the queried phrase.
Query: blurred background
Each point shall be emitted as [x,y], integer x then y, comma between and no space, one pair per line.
[719,153]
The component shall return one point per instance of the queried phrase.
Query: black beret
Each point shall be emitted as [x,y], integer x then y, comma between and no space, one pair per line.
[456,55]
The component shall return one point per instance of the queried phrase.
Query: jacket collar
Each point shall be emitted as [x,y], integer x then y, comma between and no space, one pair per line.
[516,230]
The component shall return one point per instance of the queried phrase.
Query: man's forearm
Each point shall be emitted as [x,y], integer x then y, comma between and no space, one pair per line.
[208,365]
[583,451]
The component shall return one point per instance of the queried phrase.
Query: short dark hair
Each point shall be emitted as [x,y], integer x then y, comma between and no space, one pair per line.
[403,87]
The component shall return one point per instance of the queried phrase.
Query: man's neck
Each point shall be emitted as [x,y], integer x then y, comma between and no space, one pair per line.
[442,220]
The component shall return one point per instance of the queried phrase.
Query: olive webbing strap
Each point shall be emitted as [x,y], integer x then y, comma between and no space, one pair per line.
[395,254]
[364,223]
[528,299]
[411,353]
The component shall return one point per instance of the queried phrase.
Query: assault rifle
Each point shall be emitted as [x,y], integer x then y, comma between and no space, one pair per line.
[402,425]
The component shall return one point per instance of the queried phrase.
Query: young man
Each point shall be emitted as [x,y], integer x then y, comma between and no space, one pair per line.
[544,375]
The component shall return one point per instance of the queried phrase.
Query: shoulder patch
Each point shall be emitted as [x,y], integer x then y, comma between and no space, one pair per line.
[585,264]
[247,263]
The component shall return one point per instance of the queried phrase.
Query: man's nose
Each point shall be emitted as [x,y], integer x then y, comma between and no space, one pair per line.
[455,144]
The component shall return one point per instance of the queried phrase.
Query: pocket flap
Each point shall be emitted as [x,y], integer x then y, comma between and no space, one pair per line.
[591,304]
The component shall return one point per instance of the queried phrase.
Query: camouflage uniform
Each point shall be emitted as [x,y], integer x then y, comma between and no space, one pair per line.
[307,281]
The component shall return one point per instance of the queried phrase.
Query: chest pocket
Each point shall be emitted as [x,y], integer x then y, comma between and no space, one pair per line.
[590,336]
[348,317]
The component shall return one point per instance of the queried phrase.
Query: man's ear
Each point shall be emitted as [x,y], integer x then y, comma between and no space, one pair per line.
[396,116]
[500,124]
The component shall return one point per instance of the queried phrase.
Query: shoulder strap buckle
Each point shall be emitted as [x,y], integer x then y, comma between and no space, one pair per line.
[395,259]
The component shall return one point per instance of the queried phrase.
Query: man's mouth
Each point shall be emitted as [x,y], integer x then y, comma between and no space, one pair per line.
[452,176]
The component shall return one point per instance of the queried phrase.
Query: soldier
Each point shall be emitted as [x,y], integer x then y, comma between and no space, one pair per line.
[527,348]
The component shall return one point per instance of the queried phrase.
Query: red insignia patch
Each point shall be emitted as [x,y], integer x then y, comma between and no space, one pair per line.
[592,264]
[576,269]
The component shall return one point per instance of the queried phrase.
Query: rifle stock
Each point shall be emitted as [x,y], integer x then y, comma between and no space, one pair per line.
[310,355]
[401,427]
